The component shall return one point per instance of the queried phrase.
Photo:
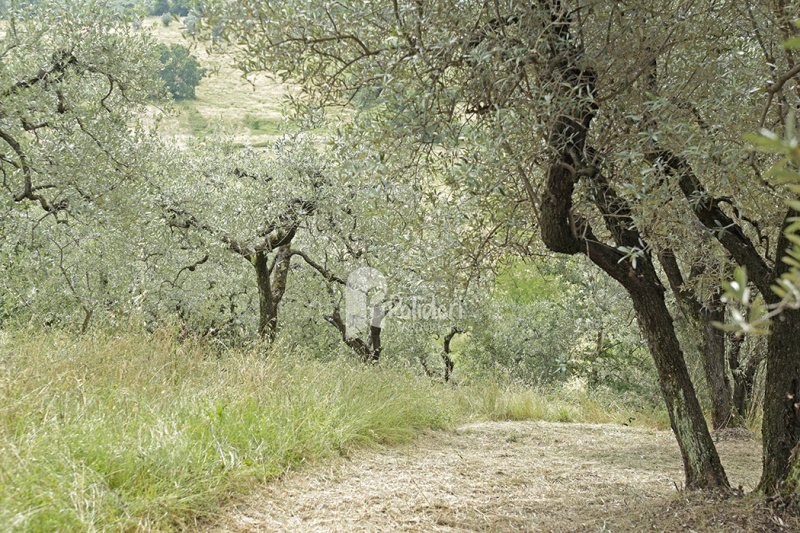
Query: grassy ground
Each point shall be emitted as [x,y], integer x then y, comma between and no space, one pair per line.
[248,110]
[142,432]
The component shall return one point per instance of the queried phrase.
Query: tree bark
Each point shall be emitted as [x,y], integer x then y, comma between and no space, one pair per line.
[449,364]
[267,311]
[713,358]
[574,83]
[744,374]
[781,426]
[700,460]
[368,351]
[271,283]
[711,345]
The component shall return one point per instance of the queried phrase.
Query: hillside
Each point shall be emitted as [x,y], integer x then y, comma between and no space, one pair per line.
[250,112]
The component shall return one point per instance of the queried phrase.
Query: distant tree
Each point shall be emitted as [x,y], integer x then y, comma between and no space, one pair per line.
[166,19]
[181,72]
[190,22]
[180,7]
[159,7]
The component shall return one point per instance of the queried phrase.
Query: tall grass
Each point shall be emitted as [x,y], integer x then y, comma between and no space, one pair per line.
[135,432]
[126,432]
[567,403]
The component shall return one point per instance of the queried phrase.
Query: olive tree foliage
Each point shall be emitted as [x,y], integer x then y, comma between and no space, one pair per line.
[237,211]
[76,82]
[618,128]
[408,235]
[70,96]
[245,240]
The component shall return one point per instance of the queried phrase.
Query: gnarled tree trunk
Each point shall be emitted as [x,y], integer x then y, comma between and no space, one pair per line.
[700,460]
[449,364]
[562,231]
[711,340]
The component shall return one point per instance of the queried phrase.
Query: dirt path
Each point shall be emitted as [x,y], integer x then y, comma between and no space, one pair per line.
[507,476]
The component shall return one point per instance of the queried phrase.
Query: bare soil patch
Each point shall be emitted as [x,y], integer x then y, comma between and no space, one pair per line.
[513,476]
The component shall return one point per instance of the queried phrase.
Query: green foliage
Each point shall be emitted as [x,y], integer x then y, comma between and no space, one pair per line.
[166,19]
[191,22]
[194,121]
[178,8]
[72,144]
[181,8]
[159,8]
[552,320]
[750,314]
[180,71]
[260,125]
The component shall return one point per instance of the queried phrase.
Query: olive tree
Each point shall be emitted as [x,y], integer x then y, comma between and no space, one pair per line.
[76,84]
[71,99]
[541,88]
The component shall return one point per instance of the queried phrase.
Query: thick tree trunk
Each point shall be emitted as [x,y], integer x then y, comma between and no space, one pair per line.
[781,426]
[700,460]
[780,429]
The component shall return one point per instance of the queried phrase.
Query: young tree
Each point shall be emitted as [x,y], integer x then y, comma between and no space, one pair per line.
[251,204]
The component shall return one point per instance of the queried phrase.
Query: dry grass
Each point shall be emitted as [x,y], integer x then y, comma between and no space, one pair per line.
[512,476]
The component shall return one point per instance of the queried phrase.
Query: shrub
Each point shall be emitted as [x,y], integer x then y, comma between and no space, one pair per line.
[181,71]
[166,19]
[180,7]
[191,21]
